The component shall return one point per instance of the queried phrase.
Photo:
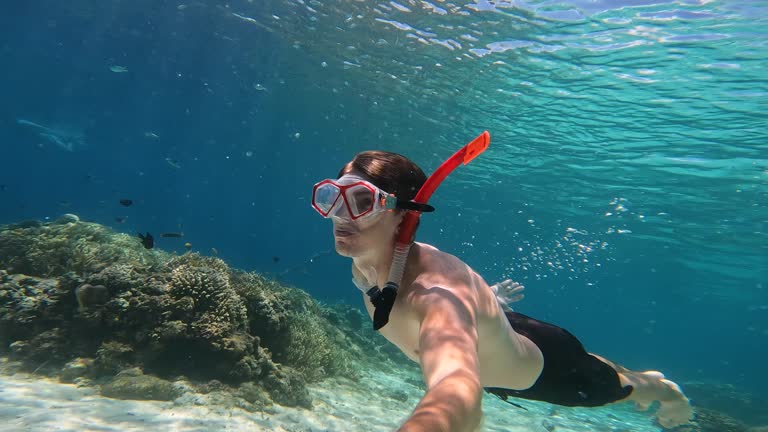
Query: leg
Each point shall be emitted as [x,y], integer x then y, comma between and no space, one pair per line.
[650,386]
[574,377]
[571,376]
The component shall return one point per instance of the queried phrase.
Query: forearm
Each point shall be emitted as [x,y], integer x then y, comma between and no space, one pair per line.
[451,405]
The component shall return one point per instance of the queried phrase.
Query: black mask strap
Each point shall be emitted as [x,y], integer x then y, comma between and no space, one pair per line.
[382,300]
[410,205]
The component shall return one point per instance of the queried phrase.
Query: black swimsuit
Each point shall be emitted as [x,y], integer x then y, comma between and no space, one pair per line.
[571,376]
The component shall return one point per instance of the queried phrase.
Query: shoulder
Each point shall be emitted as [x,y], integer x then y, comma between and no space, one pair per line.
[443,280]
[432,260]
[435,267]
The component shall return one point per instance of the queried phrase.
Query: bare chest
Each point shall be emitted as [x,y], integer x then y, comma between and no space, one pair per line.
[498,347]
[402,329]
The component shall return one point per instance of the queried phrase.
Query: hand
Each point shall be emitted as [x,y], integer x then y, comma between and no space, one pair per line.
[508,292]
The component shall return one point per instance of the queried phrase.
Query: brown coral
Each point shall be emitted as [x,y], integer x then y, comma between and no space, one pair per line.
[218,306]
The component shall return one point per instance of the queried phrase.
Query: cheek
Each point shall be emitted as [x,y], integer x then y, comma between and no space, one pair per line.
[379,231]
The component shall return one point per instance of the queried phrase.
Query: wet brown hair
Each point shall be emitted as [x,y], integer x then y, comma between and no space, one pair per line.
[391,172]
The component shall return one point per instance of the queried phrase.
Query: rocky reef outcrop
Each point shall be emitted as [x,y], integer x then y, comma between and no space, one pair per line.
[86,304]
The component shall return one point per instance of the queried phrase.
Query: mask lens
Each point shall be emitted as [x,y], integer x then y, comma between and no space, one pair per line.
[326,196]
[360,199]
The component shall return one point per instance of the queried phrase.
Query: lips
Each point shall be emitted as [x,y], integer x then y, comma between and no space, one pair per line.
[342,232]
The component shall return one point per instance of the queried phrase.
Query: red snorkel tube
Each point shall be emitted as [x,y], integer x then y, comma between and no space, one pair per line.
[384,299]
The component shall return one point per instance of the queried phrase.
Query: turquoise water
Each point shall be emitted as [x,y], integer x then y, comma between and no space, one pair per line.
[626,184]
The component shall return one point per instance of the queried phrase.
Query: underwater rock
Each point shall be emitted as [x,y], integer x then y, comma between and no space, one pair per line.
[67,218]
[251,367]
[113,356]
[89,296]
[76,368]
[254,394]
[46,347]
[19,347]
[229,399]
[211,386]
[133,384]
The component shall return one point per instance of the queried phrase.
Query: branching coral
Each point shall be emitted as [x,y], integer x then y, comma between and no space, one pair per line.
[291,324]
[219,308]
[311,349]
[270,305]
[198,261]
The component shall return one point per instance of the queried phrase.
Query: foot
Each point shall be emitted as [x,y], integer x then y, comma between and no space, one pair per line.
[650,386]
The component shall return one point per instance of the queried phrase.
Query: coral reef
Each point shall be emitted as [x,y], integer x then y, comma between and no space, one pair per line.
[88,305]
[68,245]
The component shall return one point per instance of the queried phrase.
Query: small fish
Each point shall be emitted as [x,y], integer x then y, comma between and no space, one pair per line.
[120,219]
[188,245]
[147,240]
[126,202]
[151,135]
[172,235]
[174,163]
[275,259]
[118,69]
[3,187]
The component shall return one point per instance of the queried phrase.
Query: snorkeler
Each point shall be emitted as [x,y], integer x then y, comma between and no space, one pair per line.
[443,315]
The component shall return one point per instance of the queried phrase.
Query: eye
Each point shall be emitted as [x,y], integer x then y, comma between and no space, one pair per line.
[363,198]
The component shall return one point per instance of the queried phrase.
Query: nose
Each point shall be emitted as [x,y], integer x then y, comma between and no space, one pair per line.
[339,211]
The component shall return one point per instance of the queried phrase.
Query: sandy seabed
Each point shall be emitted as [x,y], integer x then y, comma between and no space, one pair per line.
[33,403]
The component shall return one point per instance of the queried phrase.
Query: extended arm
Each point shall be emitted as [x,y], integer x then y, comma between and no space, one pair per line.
[449,361]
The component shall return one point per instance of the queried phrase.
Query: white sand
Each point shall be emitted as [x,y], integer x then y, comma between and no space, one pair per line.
[31,403]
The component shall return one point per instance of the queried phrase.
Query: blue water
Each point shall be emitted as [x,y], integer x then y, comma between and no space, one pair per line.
[626,184]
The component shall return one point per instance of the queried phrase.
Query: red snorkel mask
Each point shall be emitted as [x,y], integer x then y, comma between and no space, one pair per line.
[353,198]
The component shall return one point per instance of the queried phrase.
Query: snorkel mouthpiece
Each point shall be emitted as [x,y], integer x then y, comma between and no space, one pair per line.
[384,299]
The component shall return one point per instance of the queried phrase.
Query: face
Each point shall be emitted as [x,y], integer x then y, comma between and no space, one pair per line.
[354,238]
